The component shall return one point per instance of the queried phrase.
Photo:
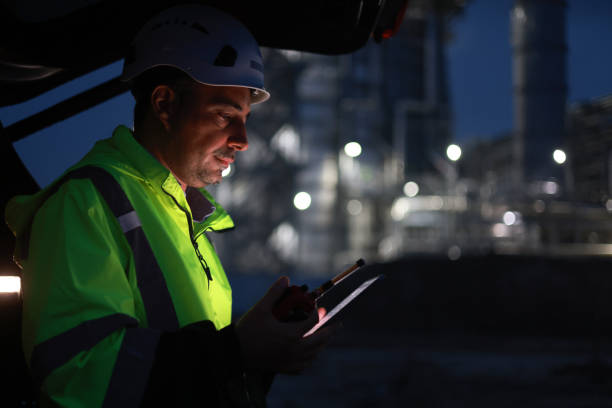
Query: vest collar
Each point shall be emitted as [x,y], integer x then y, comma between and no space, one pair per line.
[204,209]
[201,207]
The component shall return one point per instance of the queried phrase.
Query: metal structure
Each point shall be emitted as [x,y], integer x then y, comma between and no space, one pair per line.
[540,89]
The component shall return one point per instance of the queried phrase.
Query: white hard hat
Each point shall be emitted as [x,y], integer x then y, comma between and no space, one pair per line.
[209,45]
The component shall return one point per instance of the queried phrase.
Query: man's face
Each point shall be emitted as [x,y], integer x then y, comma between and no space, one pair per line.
[207,128]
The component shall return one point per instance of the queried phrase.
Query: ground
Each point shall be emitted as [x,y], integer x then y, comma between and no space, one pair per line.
[456,370]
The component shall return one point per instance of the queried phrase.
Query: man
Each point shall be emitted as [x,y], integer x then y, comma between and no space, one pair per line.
[125,301]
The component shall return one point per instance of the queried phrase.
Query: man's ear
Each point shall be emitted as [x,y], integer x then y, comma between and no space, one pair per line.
[163,101]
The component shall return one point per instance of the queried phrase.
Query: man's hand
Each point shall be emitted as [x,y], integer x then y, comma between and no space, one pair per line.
[273,346]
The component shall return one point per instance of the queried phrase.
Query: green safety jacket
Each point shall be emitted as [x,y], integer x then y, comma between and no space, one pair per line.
[96,304]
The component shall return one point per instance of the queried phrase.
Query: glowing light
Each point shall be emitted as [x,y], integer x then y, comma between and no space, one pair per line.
[453,152]
[302,200]
[352,149]
[500,230]
[411,189]
[400,208]
[285,232]
[402,205]
[227,171]
[609,205]
[10,284]
[389,247]
[509,218]
[454,253]
[354,207]
[285,240]
[550,187]
[291,55]
[287,142]
[519,14]
[559,156]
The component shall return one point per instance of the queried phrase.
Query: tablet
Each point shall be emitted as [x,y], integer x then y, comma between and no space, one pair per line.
[342,304]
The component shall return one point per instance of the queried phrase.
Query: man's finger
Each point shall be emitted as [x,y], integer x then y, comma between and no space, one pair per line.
[274,293]
[322,312]
[305,325]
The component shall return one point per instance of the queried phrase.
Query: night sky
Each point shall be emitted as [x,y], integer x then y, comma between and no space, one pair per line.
[480,63]
[479,68]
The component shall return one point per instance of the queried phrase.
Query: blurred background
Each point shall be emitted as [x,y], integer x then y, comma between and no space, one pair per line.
[468,158]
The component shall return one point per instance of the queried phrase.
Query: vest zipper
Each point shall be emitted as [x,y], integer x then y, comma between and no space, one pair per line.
[193,241]
[202,261]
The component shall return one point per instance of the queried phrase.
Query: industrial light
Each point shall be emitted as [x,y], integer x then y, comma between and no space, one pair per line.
[453,152]
[559,156]
[302,200]
[10,284]
[509,218]
[285,240]
[411,189]
[287,142]
[550,187]
[519,14]
[500,230]
[400,208]
[354,207]
[352,149]
[454,253]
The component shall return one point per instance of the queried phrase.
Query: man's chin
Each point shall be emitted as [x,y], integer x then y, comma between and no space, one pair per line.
[209,179]
[214,181]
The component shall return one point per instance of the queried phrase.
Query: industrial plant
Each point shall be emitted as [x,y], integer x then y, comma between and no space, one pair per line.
[362,144]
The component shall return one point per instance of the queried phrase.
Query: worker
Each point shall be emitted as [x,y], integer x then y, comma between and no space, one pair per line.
[125,302]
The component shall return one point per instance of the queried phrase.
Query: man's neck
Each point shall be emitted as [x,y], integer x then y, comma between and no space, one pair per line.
[153,142]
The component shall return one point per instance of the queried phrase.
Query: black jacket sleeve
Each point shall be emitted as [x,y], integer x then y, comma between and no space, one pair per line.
[200,366]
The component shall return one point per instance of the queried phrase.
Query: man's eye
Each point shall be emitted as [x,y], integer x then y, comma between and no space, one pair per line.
[223,118]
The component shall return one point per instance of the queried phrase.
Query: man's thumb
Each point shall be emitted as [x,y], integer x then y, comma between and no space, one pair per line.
[274,293]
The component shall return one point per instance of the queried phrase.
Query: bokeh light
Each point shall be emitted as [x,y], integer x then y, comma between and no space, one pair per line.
[453,152]
[411,189]
[10,284]
[302,200]
[559,156]
[352,149]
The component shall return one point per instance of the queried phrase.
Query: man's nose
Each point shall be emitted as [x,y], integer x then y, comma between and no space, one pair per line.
[238,139]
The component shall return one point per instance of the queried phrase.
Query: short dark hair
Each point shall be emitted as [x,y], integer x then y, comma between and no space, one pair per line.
[143,85]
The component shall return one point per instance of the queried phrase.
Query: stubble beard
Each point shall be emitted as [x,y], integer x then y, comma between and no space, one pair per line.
[208,176]
[210,173]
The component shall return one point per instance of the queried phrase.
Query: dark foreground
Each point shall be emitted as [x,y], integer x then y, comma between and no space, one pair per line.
[481,332]
[447,371]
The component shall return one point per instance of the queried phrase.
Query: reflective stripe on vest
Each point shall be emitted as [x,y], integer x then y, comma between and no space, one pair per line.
[56,351]
[151,283]
[131,371]
[137,351]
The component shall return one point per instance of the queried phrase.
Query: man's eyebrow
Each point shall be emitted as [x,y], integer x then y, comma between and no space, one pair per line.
[226,102]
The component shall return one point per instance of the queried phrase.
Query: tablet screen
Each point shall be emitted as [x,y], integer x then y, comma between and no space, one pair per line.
[342,304]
